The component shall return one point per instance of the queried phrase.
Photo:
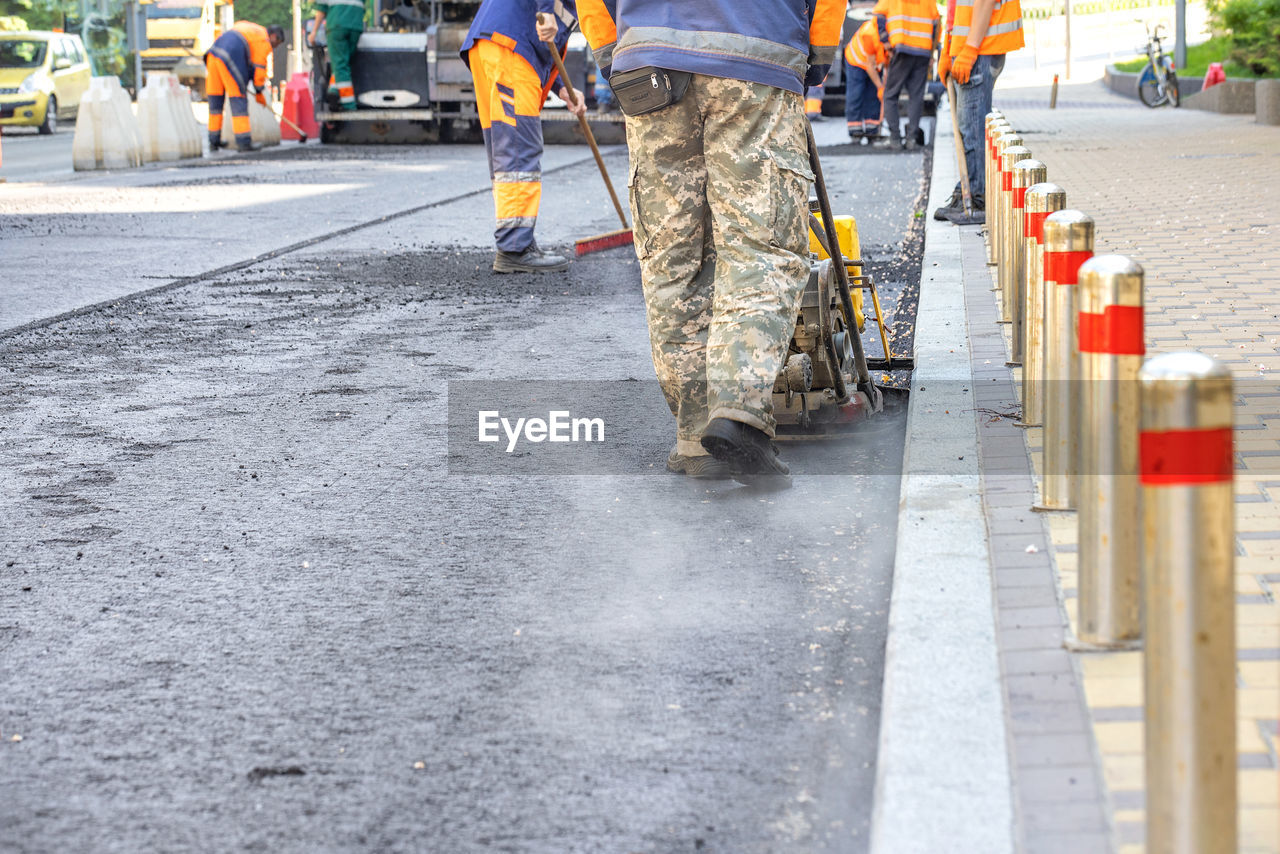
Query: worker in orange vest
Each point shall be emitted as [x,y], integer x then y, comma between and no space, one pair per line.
[980,34]
[864,55]
[237,59]
[912,27]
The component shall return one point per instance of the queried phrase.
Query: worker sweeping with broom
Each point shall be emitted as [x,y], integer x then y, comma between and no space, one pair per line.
[513,72]
[714,96]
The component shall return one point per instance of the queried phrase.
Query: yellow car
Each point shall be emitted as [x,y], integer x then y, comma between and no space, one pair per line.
[42,78]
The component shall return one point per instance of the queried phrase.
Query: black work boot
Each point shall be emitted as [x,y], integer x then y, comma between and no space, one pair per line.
[531,260]
[750,453]
[955,204]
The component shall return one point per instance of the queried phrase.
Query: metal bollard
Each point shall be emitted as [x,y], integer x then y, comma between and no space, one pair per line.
[1009,156]
[995,119]
[1068,243]
[1041,200]
[1026,172]
[1004,138]
[1188,539]
[1109,334]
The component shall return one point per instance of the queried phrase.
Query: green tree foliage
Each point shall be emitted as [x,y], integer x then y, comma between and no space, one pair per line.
[1254,29]
[39,14]
[266,12]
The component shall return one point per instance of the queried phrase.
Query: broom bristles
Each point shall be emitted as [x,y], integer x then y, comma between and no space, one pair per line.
[609,240]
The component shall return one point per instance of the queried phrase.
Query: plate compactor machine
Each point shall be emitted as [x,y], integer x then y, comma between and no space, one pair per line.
[825,384]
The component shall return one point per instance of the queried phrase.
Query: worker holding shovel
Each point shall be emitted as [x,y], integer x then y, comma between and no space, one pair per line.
[513,73]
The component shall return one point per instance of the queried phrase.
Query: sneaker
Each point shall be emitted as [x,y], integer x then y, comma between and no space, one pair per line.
[531,260]
[702,467]
[955,204]
[910,144]
[750,454]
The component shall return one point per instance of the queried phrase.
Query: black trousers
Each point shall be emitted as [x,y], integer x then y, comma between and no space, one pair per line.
[906,71]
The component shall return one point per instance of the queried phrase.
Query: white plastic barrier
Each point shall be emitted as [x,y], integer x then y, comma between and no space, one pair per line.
[193,132]
[106,131]
[161,138]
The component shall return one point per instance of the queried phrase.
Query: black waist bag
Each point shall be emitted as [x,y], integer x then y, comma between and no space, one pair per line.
[644,90]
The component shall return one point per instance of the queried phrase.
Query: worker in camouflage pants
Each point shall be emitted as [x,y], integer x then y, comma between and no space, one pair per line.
[719,194]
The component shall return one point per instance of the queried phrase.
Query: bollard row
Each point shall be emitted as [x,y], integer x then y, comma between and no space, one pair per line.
[1128,442]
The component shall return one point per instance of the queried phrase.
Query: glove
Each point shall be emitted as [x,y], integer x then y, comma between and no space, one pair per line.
[815,75]
[962,65]
[944,61]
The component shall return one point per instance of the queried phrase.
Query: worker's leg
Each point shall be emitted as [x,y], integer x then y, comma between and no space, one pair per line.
[855,83]
[871,110]
[813,101]
[215,73]
[342,46]
[758,179]
[973,102]
[916,79]
[895,78]
[512,99]
[671,223]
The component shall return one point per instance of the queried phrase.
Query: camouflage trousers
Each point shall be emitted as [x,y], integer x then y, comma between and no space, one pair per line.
[719,188]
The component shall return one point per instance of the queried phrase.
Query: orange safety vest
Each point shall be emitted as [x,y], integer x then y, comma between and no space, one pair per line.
[911,24]
[864,49]
[259,49]
[1004,33]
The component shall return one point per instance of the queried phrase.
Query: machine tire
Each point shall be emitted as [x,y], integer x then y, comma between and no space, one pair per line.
[50,125]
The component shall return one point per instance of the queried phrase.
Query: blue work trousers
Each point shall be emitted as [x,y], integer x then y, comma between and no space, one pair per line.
[973,102]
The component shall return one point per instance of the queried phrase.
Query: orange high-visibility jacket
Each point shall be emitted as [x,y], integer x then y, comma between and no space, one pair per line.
[259,49]
[912,25]
[865,49]
[1004,33]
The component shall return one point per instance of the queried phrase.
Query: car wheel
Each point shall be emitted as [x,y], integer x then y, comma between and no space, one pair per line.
[50,117]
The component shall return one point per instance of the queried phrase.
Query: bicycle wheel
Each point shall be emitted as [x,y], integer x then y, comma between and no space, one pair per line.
[1149,91]
[1171,89]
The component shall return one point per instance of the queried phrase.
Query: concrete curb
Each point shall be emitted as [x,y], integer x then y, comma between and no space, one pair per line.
[942,777]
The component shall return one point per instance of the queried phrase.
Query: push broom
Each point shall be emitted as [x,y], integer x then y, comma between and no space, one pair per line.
[610,239]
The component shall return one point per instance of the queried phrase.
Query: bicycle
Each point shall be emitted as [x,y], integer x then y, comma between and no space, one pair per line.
[1158,82]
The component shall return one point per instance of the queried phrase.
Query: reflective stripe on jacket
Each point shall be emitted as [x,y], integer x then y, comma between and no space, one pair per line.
[864,49]
[1004,34]
[773,42]
[912,25]
[513,25]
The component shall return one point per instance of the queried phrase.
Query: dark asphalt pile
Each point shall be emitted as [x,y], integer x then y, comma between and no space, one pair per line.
[245,603]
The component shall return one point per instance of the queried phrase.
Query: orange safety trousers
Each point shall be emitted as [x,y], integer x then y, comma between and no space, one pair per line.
[509,97]
[220,83]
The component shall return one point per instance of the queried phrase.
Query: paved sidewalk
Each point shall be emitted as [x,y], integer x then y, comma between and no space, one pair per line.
[1195,198]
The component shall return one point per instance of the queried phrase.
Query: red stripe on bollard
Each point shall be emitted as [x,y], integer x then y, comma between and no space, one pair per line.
[1186,457]
[1034,225]
[1063,268]
[1006,180]
[1117,331]
[1019,198]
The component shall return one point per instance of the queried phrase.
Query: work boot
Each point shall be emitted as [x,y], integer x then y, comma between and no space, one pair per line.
[910,143]
[955,204]
[215,142]
[531,260]
[979,216]
[701,467]
[750,453]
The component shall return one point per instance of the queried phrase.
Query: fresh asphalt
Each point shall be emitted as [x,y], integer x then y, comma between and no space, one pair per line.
[259,594]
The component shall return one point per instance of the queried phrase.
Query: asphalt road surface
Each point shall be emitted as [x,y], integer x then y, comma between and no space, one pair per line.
[253,596]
